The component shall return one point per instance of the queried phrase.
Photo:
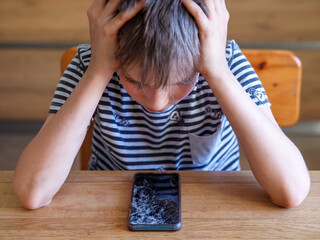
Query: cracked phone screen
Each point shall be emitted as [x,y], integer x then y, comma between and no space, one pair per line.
[155,199]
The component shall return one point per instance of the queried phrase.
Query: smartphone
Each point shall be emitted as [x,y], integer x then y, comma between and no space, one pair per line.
[155,202]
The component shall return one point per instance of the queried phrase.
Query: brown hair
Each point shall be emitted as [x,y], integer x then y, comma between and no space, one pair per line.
[162,39]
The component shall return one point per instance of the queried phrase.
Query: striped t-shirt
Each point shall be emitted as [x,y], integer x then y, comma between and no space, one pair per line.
[193,134]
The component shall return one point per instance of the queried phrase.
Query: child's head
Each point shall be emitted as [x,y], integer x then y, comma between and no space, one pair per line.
[160,45]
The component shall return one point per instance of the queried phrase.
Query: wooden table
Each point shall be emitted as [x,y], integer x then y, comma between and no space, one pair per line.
[215,205]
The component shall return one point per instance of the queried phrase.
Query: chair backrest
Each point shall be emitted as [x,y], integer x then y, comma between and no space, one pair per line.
[280,73]
[278,70]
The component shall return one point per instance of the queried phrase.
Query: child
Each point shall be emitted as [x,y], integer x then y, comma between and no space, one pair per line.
[166,93]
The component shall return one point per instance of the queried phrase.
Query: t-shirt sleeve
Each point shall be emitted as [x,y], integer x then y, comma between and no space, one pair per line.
[246,75]
[70,78]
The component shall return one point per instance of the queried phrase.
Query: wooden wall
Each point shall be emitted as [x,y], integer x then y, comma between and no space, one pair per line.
[35,33]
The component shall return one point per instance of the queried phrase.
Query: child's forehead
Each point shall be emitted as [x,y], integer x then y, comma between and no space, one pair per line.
[133,72]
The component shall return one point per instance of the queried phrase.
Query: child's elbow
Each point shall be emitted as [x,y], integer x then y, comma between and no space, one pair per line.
[294,197]
[33,203]
[29,198]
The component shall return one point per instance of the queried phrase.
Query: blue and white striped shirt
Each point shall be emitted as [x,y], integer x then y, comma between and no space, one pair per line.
[193,134]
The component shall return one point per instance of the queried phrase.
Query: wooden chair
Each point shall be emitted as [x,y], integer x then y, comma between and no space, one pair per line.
[279,71]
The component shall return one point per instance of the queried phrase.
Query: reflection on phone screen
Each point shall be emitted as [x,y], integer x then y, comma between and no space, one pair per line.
[155,199]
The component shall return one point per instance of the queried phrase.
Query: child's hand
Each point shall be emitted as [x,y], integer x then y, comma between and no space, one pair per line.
[212,34]
[104,27]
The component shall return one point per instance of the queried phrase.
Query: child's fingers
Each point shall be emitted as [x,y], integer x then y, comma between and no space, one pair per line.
[220,6]
[110,9]
[195,10]
[211,6]
[221,9]
[99,3]
[124,16]
[224,6]
[96,7]
[223,2]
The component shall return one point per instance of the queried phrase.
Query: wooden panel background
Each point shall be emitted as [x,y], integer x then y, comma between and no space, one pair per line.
[250,20]
[29,76]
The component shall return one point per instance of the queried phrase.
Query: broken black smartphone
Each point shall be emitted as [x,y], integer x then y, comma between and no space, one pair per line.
[155,202]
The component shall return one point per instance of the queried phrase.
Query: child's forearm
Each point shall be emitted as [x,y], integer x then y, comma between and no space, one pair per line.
[45,163]
[275,161]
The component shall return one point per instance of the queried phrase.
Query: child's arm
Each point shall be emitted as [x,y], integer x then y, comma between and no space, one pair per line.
[275,161]
[46,161]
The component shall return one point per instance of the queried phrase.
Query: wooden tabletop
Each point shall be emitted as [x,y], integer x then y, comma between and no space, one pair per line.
[215,205]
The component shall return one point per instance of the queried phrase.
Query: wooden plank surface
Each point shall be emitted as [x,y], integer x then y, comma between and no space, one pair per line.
[44,20]
[310,91]
[215,205]
[27,82]
[274,21]
[251,20]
